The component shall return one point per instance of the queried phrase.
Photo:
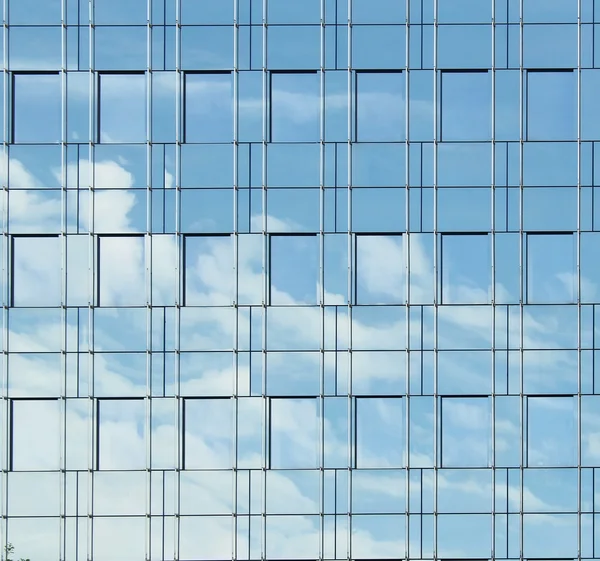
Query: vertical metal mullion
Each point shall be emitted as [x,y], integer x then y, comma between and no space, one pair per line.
[266,276]
[236,330]
[148,265]
[321,295]
[6,277]
[578,256]
[522,239]
[179,295]
[437,416]
[351,427]
[492,450]
[63,242]
[93,272]
[406,249]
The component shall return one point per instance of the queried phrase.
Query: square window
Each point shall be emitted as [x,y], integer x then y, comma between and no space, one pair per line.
[380,107]
[119,95]
[294,433]
[466,431]
[292,47]
[35,434]
[284,12]
[378,11]
[379,46]
[208,47]
[295,106]
[464,46]
[380,269]
[208,107]
[551,108]
[466,269]
[466,110]
[121,274]
[464,11]
[550,208]
[121,434]
[208,434]
[380,426]
[548,45]
[36,271]
[293,269]
[551,431]
[462,209]
[477,526]
[550,271]
[37,107]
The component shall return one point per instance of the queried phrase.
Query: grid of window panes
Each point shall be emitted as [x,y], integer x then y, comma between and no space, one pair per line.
[313,279]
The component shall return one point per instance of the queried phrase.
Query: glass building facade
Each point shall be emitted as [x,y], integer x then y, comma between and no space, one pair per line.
[289,280]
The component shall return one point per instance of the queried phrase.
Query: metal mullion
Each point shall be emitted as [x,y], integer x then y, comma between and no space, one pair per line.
[351,427]
[406,250]
[578,257]
[236,329]
[266,278]
[6,272]
[179,295]
[93,270]
[63,241]
[493,288]
[437,417]
[148,265]
[523,419]
[322,290]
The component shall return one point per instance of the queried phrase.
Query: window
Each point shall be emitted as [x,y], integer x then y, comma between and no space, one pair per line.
[208,433]
[466,431]
[551,105]
[466,105]
[380,431]
[121,434]
[35,434]
[208,270]
[293,269]
[208,106]
[295,106]
[36,271]
[121,274]
[551,431]
[36,107]
[114,106]
[380,106]
[380,269]
[466,269]
[550,274]
[293,433]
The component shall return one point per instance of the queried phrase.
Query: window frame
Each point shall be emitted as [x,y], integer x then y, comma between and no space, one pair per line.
[355,263]
[97,432]
[440,119]
[11,280]
[270,104]
[11,425]
[490,287]
[270,236]
[98,268]
[357,73]
[184,98]
[526,102]
[98,87]
[12,114]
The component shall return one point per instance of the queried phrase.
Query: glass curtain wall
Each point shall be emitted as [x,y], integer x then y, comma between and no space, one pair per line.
[288,280]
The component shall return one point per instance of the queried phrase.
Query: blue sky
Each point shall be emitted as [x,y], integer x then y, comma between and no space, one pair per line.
[256,360]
